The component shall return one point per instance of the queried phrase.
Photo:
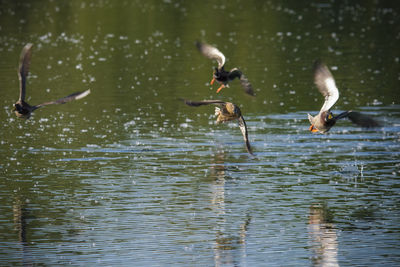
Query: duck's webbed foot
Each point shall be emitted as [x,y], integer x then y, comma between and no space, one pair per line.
[220,88]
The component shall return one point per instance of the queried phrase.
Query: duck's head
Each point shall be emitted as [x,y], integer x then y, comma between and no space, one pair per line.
[216,75]
[17,107]
[328,116]
[20,111]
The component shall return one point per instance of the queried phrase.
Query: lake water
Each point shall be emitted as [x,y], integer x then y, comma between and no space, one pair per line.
[130,175]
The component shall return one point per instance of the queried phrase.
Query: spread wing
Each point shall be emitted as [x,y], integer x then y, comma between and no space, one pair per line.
[211,53]
[236,73]
[204,102]
[74,96]
[359,119]
[246,85]
[23,69]
[363,120]
[325,82]
[342,115]
[243,128]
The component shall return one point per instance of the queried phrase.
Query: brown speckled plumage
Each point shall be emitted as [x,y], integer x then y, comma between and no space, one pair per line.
[226,111]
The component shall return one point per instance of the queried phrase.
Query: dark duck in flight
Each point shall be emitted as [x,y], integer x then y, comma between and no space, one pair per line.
[220,75]
[325,119]
[21,108]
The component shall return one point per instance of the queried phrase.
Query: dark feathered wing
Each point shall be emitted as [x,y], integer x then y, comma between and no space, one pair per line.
[246,85]
[204,102]
[359,119]
[243,128]
[363,120]
[23,70]
[71,97]
[236,73]
[342,115]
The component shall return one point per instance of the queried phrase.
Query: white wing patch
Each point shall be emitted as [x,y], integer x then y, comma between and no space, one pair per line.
[332,94]
[212,53]
[83,94]
[218,56]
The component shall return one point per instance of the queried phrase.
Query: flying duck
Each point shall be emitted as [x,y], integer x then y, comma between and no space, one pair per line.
[325,119]
[220,75]
[21,108]
[226,111]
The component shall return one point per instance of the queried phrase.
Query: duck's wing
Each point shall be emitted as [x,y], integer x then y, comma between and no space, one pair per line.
[359,119]
[212,53]
[363,120]
[204,102]
[23,69]
[246,85]
[243,129]
[236,73]
[342,115]
[71,97]
[325,83]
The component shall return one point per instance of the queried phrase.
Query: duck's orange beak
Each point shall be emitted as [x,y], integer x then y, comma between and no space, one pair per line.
[220,88]
[313,129]
[212,81]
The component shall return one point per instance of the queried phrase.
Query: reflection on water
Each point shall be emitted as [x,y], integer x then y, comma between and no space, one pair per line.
[21,213]
[229,248]
[198,195]
[323,236]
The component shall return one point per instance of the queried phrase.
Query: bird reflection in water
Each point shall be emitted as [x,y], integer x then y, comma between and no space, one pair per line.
[21,213]
[229,249]
[218,170]
[323,236]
